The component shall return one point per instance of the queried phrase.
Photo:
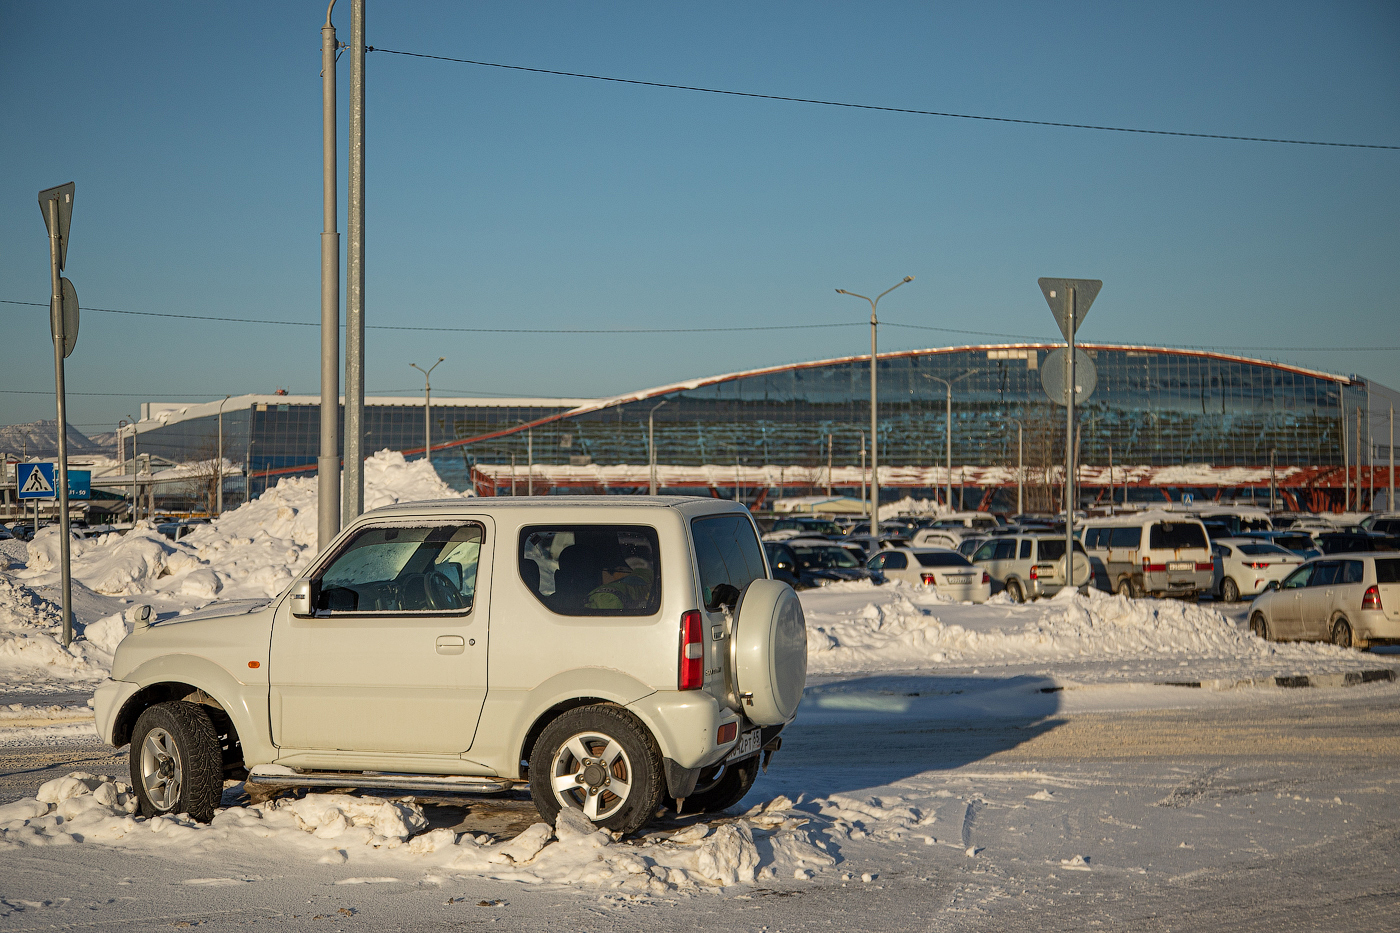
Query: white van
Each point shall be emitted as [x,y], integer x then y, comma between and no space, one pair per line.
[1155,553]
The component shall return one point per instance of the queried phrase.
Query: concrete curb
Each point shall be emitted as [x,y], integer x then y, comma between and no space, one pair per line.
[1347,679]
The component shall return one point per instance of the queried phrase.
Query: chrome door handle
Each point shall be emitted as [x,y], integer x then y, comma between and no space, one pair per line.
[451,644]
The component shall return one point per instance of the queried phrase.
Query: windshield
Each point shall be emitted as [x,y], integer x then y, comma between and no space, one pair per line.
[1258,549]
[826,557]
[941,559]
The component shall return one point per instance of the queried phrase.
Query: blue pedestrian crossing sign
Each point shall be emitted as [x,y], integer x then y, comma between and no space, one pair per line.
[36,480]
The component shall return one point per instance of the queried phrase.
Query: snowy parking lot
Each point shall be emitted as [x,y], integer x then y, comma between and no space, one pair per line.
[1085,762]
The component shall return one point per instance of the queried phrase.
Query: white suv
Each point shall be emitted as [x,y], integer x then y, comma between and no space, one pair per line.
[611,654]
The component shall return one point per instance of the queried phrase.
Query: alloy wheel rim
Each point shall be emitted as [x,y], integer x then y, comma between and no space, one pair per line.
[593,773]
[161,773]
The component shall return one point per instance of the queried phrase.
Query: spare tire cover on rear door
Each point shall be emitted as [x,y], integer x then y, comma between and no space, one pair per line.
[769,648]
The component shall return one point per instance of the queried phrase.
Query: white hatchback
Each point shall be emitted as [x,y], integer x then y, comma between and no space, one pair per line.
[1246,566]
[947,571]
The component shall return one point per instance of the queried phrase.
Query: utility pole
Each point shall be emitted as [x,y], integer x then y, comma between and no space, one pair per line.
[1358,458]
[219,466]
[862,473]
[427,408]
[530,461]
[651,445]
[828,465]
[1273,480]
[874,509]
[354,490]
[328,494]
[1020,467]
[1346,455]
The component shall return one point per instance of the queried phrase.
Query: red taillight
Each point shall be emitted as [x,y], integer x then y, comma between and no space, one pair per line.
[1148,567]
[927,578]
[1035,572]
[1260,565]
[1371,599]
[692,667]
[727,733]
[986,578]
[1209,565]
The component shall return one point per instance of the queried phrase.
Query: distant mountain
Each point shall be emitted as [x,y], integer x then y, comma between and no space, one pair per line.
[40,439]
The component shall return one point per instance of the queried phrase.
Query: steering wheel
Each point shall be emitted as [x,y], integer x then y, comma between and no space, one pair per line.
[440,592]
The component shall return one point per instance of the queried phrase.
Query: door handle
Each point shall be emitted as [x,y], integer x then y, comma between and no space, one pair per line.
[451,644]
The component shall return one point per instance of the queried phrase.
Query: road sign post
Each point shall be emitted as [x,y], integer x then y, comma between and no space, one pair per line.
[57,207]
[1069,301]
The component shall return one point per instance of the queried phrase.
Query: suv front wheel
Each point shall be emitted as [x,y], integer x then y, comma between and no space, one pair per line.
[176,765]
[602,761]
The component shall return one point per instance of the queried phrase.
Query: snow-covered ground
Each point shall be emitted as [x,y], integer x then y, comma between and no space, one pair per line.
[1004,749]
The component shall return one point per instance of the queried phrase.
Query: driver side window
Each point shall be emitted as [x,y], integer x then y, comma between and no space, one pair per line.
[404,569]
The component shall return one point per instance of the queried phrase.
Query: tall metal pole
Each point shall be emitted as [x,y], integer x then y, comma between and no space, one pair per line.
[1273,479]
[1346,455]
[828,466]
[948,437]
[1358,458]
[1020,468]
[530,461]
[862,472]
[1390,503]
[1069,442]
[1110,479]
[61,477]
[874,509]
[651,445]
[354,491]
[427,408]
[328,495]
[219,467]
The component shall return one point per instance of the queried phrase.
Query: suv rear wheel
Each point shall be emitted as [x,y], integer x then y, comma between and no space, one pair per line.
[601,760]
[176,764]
[1013,591]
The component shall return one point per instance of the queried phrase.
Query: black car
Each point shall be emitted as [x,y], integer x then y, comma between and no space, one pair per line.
[1350,543]
[814,564]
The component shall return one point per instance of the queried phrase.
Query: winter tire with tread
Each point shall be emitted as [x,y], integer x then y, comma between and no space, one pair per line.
[1229,591]
[600,760]
[176,763]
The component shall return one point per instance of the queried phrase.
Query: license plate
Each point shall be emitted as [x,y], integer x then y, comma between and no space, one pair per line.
[1179,565]
[959,579]
[749,744]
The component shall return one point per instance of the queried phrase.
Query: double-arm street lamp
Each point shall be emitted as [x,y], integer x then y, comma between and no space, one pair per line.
[427,408]
[874,411]
[948,384]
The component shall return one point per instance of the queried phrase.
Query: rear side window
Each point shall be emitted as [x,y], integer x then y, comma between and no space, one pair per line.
[1169,536]
[1388,571]
[1126,537]
[1093,539]
[1025,549]
[728,552]
[592,570]
[1326,573]
[1353,571]
[941,559]
[895,560]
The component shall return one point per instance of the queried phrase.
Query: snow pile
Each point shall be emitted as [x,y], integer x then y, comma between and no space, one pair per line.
[337,828]
[31,646]
[254,551]
[897,634]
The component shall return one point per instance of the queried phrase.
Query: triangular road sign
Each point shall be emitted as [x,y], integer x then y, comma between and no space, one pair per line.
[37,484]
[1057,296]
[63,194]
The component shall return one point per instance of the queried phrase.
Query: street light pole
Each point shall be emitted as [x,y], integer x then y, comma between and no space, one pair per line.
[874,410]
[1021,466]
[651,445]
[948,383]
[219,467]
[353,490]
[427,408]
[328,461]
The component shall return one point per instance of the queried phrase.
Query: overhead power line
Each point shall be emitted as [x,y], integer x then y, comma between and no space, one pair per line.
[1035,338]
[908,110]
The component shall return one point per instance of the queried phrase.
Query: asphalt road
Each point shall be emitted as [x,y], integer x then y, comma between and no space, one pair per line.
[1318,873]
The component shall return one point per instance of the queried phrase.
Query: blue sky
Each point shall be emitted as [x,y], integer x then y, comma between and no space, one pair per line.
[505,199]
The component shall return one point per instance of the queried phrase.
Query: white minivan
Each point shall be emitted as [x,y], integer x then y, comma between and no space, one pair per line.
[1155,553]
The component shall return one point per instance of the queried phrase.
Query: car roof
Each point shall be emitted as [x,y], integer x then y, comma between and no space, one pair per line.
[686,504]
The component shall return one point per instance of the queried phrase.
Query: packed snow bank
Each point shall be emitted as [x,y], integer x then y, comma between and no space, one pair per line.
[253,551]
[339,828]
[31,645]
[858,627]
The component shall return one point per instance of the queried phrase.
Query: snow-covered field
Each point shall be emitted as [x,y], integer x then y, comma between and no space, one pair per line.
[903,761]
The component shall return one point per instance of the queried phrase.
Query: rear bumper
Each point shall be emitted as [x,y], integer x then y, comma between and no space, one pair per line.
[1374,626]
[1179,583]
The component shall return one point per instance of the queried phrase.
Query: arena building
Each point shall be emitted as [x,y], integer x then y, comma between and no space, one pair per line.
[1162,423]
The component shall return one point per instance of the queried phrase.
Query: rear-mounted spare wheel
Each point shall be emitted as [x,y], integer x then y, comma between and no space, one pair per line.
[769,652]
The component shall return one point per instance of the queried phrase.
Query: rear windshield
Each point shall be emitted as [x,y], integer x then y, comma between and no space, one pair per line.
[1388,571]
[1172,535]
[727,552]
[941,559]
[1257,549]
[1054,548]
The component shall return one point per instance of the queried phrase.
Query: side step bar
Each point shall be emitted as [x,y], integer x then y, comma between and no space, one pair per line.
[287,777]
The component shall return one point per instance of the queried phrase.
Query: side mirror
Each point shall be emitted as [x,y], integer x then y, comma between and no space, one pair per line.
[305,595]
[142,617]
